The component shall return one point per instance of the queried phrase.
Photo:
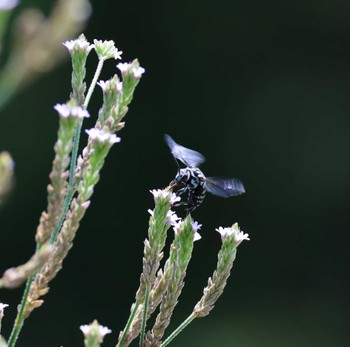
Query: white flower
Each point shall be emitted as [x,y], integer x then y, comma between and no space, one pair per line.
[137,71]
[6,5]
[163,194]
[197,236]
[102,136]
[174,198]
[2,307]
[117,54]
[123,67]
[106,84]
[119,86]
[95,328]
[239,236]
[172,217]
[103,84]
[80,43]
[195,226]
[106,49]
[159,193]
[177,226]
[66,111]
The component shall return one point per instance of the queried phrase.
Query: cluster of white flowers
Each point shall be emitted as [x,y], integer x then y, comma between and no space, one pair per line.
[172,217]
[101,330]
[102,136]
[163,194]
[106,49]
[195,226]
[136,71]
[106,84]
[66,111]
[239,235]
[80,43]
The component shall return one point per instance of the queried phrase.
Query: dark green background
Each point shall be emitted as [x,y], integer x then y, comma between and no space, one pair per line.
[262,88]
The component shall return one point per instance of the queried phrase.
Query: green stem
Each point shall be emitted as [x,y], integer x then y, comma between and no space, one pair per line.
[20,319]
[17,327]
[71,182]
[93,83]
[144,316]
[128,324]
[178,330]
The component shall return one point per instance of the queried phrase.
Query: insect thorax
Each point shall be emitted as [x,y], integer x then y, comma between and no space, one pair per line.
[191,177]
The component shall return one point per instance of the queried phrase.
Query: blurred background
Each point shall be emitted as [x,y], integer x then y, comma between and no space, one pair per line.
[262,89]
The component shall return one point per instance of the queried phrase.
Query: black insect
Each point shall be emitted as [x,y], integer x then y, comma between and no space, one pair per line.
[192,180]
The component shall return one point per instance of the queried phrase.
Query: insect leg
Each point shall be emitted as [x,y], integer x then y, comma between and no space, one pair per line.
[191,205]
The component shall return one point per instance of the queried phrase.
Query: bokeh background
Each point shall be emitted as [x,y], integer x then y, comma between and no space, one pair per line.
[262,89]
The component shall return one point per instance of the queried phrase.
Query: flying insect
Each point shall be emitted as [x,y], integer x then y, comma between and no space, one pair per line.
[191,179]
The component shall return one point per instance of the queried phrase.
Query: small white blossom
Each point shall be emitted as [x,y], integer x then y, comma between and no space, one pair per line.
[239,236]
[172,217]
[177,225]
[117,54]
[80,44]
[137,71]
[6,5]
[95,328]
[103,84]
[123,67]
[106,84]
[163,193]
[2,307]
[119,86]
[159,193]
[102,136]
[66,111]
[107,49]
[174,198]
[197,236]
[196,226]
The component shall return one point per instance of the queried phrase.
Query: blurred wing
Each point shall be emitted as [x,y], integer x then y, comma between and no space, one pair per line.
[224,187]
[187,156]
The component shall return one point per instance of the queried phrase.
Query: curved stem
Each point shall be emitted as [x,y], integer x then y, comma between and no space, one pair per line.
[178,330]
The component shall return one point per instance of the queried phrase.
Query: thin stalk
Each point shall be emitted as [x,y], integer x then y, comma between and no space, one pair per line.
[128,324]
[144,316]
[73,165]
[178,330]
[20,319]
[93,83]
[17,327]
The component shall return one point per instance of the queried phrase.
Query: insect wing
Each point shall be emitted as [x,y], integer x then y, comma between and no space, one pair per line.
[224,187]
[187,156]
